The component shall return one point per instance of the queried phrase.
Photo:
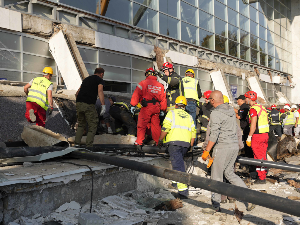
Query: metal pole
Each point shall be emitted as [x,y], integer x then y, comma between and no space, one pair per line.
[243,194]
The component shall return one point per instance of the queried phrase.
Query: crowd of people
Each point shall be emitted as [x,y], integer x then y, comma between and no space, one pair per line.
[167,108]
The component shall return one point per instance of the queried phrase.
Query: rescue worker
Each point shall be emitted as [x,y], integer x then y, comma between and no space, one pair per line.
[204,114]
[288,120]
[297,122]
[39,100]
[120,111]
[175,86]
[179,132]
[274,119]
[223,138]
[192,93]
[150,93]
[86,97]
[259,133]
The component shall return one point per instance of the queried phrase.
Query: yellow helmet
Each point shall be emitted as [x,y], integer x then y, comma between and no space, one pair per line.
[190,71]
[181,100]
[226,99]
[48,70]
[139,105]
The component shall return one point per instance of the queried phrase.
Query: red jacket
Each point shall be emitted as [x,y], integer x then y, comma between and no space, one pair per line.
[148,89]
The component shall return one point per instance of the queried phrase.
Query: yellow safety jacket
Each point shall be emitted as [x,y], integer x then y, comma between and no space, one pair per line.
[190,88]
[38,92]
[289,120]
[262,118]
[180,128]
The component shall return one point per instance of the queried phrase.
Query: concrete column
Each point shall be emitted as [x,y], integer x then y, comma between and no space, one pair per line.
[295,27]
[1,3]
[30,7]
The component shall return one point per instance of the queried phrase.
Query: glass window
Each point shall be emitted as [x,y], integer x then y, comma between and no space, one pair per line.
[9,41]
[169,6]
[253,41]
[90,68]
[10,75]
[192,2]
[206,5]
[244,8]
[232,17]
[168,26]
[149,3]
[277,64]
[188,13]
[261,6]
[206,21]
[114,73]
[220,10]
[88,55]
[203,75]
[244,23]
[263,59]
[276,28]
[244,39]
[277,16]
[10,60]
[253,14]
[206,85]
[220,27]
[114,59]
[254,56]
[262,19]
[36,46]
[232,4]
[277,52]
[277,5]
[270,37]
[141,64]
[262,46]
[271,62]
[87,5]
[220,44]
[262,32]
[117,10]
[206,39]
[138,76]
[233,48]
[244,52]
[115,86]
[36,64]
[20,7]
[144,17]
[42,10]
[232,32]
[253,28]
[188,33]
[270,11]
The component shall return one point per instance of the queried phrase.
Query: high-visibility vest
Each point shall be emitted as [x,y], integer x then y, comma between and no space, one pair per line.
[289,119]
[182,126]
[190,88]
[262,117]
[38,92]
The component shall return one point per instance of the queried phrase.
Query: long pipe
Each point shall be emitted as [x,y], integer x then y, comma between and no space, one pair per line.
[243,194]
[268,164]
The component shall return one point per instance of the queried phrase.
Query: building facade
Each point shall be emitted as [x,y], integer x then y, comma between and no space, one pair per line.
[247,34]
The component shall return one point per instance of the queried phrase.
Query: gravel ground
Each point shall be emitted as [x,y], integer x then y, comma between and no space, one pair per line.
[12,110]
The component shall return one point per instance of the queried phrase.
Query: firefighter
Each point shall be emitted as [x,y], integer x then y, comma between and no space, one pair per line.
[204,114]
[175,86]
[179,133]
[120,111]
[192,93]
[274,119]
[288,120]
[259,133]
[150,93]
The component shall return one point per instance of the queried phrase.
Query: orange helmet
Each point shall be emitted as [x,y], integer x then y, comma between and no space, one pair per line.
[206,94]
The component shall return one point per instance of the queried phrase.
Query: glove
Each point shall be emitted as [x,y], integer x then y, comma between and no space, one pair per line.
[132,109]
[210,162]
[248,141]
[50,110]
[205,155]
[161,113]
[160,143]
[103,110]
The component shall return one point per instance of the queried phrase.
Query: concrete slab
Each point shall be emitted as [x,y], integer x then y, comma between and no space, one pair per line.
[107,139]
[36,25]
[10,19]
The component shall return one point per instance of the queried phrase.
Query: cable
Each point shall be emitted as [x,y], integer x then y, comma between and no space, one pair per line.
[92,180]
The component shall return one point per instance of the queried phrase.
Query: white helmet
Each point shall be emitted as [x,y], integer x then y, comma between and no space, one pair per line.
[294,107]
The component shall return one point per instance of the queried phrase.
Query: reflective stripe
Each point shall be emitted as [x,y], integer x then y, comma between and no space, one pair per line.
[264,126]
[205,117]
[204,128]
[182,127]
[168,119]
[32,96]
[32,90]
[169,80]
[140,86]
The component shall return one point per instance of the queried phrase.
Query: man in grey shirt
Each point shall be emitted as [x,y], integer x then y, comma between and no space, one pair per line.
[223,137]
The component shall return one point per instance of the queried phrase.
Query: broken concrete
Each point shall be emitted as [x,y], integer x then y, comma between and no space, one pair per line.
[108,139]
[36,25]
[80,34]
[36,136]
[286,147]
[11,91]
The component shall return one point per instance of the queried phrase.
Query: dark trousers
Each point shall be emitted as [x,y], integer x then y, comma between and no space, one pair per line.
[123,118]
[277,129]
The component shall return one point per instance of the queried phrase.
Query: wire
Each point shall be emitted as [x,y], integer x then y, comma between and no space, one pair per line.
[92,180]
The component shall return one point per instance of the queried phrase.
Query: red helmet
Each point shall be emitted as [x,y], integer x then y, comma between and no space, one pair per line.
[207,94]
[287,104]
[150,71]
[167,65]
[252,95]
[273,106]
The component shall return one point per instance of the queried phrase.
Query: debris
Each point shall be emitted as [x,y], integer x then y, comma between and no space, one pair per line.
[176,204]
[293,183]
[294,198]
[238,214]
[90,219]
[27,164]
[72,205]
[286,147]
[273,181]
[119,203]
[9,174]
